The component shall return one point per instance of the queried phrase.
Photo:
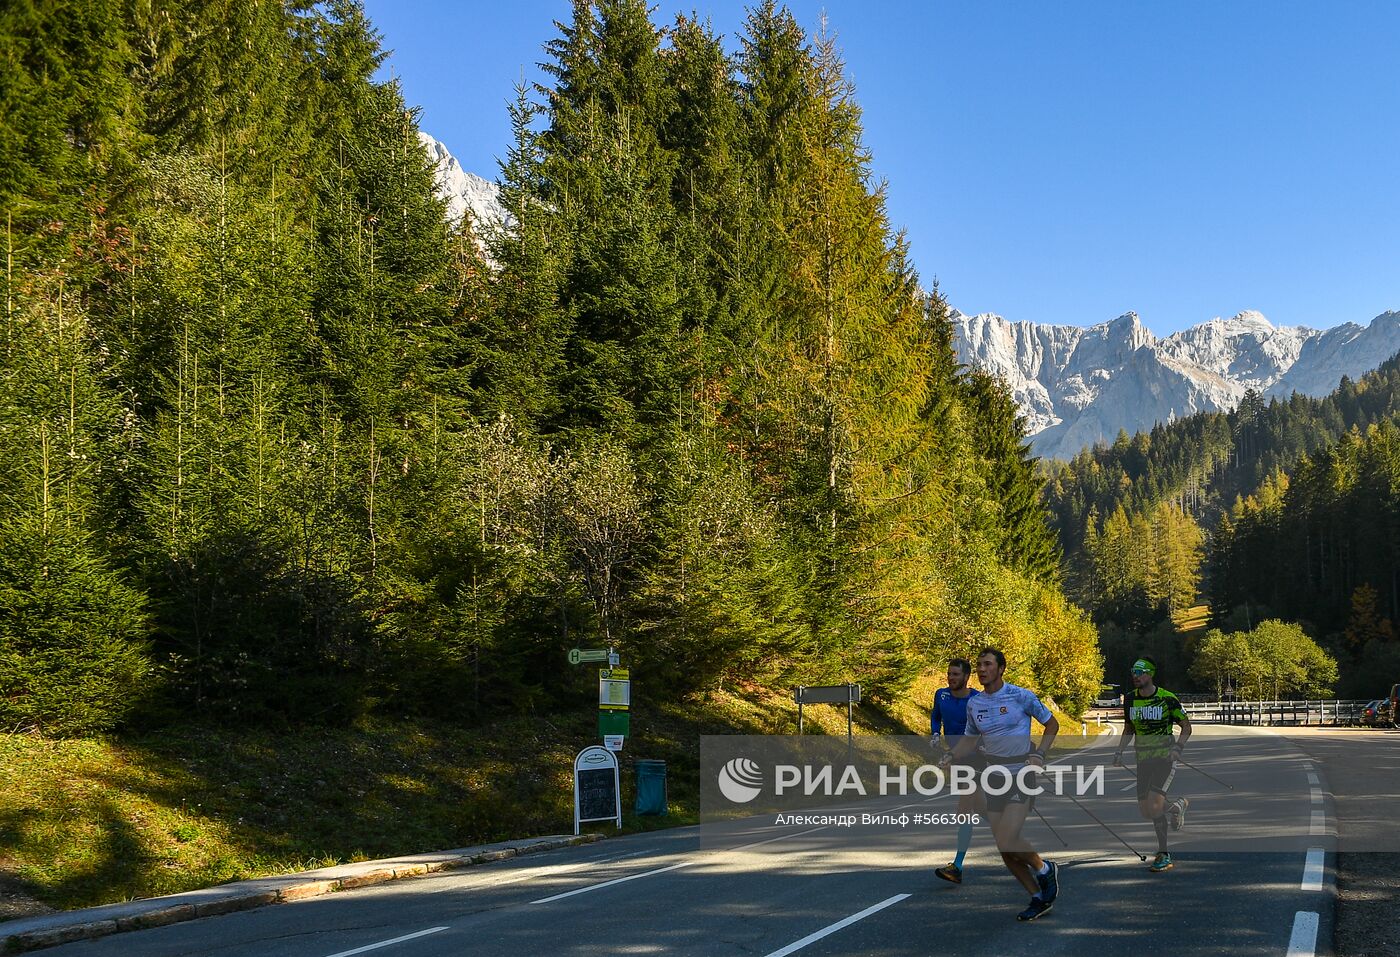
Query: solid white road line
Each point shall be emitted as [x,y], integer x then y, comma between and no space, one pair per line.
[1318,825]
[620,880]
[1312,870]
[385,943]
[1303,943]
[833,928]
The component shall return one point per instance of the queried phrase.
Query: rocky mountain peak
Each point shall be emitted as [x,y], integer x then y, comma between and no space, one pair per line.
[1244,323]
[462,190]
[1079,385]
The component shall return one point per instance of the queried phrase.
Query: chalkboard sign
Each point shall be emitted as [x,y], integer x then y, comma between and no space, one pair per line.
[596,793]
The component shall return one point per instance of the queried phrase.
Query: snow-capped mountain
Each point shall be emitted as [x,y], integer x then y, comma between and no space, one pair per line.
[462,190]
[1080,385]
[1345,350]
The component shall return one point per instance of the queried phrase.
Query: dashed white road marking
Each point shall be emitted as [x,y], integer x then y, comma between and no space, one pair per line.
[1312,869]
[385,943]
[833,928]
[780,837]
[554,869]
[1303,943]
[620,880]
[1317,795]
[1318,825]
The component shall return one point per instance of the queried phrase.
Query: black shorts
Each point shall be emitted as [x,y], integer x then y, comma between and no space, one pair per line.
[977,760]
[997,803]
[1154,774]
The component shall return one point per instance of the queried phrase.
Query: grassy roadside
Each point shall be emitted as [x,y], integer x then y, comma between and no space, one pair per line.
[95,820]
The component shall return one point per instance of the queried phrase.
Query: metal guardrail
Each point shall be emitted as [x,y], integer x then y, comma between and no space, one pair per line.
[1319,712]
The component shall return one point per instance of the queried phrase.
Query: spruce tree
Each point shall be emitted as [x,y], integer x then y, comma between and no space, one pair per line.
[517,345]
[73,630]
[609,177]
[998,434]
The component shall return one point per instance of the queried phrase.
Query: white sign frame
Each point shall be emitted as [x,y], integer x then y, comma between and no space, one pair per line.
[596,758]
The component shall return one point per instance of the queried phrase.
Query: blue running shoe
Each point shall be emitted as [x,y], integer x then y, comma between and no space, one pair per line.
[1034,909]
[1049,883]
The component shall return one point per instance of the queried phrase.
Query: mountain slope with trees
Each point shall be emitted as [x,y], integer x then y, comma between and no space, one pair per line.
[1273,510]
[1202,463]
[281,443]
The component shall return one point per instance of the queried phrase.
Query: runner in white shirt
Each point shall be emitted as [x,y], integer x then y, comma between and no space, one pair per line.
[1000,718]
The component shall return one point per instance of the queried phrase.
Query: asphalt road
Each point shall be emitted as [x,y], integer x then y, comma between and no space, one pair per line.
[1241,882]
[1362,767]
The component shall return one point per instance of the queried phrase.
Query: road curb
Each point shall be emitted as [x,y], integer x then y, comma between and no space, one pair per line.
[50,930]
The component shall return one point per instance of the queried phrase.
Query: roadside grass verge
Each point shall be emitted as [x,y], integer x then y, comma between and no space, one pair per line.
[95,820]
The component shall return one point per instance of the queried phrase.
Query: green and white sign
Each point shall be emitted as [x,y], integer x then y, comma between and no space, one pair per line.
[580,655]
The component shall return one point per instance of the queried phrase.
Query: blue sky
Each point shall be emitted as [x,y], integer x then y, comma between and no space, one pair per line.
[1060,162]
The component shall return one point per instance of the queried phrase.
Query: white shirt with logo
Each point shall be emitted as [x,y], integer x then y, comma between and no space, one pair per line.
[1003,719]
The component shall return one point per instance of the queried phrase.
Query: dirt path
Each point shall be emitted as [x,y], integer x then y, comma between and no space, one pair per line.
[15,903]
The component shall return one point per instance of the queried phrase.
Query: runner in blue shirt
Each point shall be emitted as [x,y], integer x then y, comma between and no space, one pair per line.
[949,714]
[949,722]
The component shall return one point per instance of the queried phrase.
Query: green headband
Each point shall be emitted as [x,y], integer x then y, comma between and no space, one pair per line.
[1147,666]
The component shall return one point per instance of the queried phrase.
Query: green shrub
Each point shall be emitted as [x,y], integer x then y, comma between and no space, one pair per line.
[72,634]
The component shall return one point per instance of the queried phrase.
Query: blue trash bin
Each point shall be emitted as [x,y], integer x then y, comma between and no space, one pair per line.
[651,787]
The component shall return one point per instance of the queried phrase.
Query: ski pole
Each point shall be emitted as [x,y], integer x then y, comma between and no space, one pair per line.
[1047,824]
[1141,857]
[1206,773]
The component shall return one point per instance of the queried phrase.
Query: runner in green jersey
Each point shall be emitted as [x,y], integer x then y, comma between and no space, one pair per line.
[1148,715]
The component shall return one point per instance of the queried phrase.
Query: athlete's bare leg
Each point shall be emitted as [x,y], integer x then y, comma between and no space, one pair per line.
[1020,858]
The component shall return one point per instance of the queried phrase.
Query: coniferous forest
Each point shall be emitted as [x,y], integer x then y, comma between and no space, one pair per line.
[1286,509]
[280,443]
